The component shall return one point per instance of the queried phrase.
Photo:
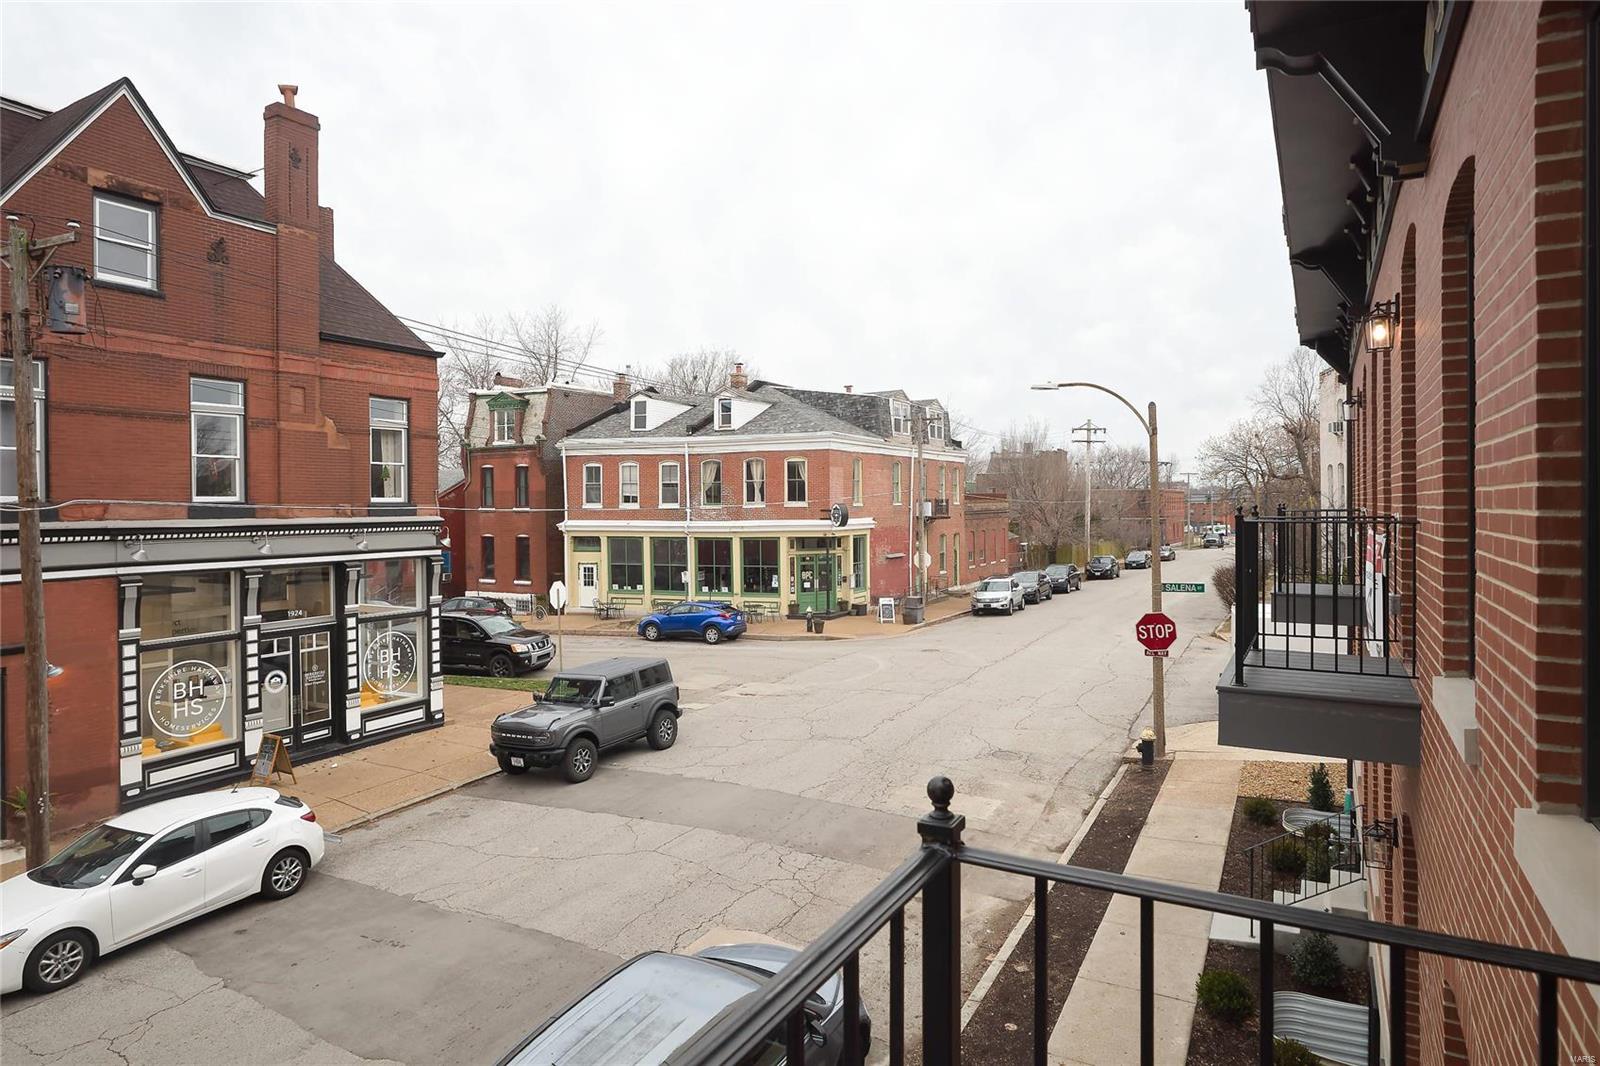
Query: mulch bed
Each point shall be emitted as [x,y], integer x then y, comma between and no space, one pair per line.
[1001,1032]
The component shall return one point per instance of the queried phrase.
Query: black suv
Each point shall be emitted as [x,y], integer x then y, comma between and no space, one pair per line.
[1064,577]
[492,643]
[585,711]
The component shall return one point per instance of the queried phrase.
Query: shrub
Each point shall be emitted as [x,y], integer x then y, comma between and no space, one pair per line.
[1224,994]
[1226,584]
[1320,794]
[1315,962]
[1287,857]
[1286,1052]
[1318,863]
[1260,810]
[1318,832]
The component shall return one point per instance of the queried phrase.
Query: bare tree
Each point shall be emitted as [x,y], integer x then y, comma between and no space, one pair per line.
[1043,484]
[1288,397]
[1271,456]
[694,373]
[471,360]
[977,443]
[551,345]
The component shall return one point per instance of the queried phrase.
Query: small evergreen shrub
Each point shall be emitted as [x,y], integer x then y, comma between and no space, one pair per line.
[1260,810]
[1224,994]
[1287,857]
[1318,863]
[1315,962]
[1320,794]
[1286,1052]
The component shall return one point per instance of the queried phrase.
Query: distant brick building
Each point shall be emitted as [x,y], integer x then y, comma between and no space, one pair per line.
[237,459]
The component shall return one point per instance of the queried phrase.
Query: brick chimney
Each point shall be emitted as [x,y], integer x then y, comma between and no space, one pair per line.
[738,379]
[849,388]
[327,232]
[619,387]
[507,381]
[290,166]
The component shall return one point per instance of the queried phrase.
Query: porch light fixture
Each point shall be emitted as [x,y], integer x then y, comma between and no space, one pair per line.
[444,538]
[138,554]
[1380,325]
[263,546]
[52,671]
[359,541]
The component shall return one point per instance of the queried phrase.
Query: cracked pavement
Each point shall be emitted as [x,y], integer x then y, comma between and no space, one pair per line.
[443,933]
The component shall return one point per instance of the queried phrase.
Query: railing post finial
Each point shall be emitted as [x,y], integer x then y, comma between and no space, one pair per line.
[940,825]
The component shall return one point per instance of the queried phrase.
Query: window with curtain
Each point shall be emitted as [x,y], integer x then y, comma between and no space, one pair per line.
[711,483]
[389,422]
[755,481]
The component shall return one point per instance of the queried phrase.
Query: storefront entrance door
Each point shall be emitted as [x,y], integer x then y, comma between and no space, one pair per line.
[297,685]
[815,584]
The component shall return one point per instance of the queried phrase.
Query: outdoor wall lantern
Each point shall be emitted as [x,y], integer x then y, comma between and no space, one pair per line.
[1380,324]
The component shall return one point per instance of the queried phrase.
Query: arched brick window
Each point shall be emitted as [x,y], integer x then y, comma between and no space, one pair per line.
[1452,481]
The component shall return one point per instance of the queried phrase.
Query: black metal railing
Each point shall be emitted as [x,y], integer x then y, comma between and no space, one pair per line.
[776,1014]
[1328,591]
[939,507]
[1308,860]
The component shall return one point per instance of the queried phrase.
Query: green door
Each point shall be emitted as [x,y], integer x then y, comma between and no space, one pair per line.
[815,583]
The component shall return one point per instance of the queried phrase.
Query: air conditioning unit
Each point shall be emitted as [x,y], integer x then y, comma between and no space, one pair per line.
[1336,427]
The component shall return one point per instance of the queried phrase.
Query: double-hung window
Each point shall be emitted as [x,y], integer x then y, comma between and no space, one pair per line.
[724,413]
[486,488]
[900,415]
[711,483]
[855,483]
[794,481]
[641,414]
[935,424]
[524,558]
[505,427]
[390,422]
[755,482]
[670,485]
[487,569]
[895,487]
[628,478]
[592,485]
[124,243]
[216,439]
[8,428]
[521,502]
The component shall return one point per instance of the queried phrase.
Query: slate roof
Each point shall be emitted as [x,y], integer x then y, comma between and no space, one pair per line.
[786,414]
[349,313]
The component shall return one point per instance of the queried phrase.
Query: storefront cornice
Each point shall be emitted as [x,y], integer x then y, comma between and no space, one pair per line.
[806,527]
[205,529]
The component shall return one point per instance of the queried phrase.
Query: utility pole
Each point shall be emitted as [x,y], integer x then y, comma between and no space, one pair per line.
[36,705]
[919,431]
[1088,440]
[1188,491]
[1158,672]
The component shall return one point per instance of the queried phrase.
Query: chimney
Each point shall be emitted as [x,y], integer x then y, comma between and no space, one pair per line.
[738,379]
[327,233]
[290,166]
[619,387]
[849,388]
[509,382]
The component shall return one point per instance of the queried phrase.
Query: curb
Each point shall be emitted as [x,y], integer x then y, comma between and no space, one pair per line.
[1003,956]
[412,802]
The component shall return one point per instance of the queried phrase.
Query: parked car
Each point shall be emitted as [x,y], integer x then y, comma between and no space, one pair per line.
[1168,553]
[492,643]
[997,594]
[1211,540]
[476,605]
[651,1006]
[1103,566]
[145,871]
[1138,559]
[586,711]
[1033,584]
[1064,577]
[713,621]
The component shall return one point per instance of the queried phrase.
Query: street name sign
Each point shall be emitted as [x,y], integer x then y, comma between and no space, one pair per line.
[1183,586]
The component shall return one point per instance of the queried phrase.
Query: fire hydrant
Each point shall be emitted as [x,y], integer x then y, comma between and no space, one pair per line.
[1147,748]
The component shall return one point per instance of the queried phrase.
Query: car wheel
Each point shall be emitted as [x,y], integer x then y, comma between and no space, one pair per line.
[507,766]
[579,762]
[58,961]
[284,874]
[502,666]
[663,730]
[652,632]
[713,635]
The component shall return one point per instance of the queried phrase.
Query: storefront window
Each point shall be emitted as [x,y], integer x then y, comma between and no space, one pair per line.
[188,697]
[186,605]
[304,592]
[627,563]
[858,563]
[759,562]
[714,561]
[390,585]
[391,660]
[669,564]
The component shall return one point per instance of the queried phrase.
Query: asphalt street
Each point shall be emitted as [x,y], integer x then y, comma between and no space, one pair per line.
[443,933]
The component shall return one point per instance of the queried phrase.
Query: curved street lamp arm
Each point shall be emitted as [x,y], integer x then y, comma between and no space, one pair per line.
[1110,392]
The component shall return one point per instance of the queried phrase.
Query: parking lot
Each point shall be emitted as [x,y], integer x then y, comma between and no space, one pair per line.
[443,933]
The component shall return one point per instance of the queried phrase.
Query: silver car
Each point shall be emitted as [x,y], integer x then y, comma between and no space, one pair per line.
[997,594]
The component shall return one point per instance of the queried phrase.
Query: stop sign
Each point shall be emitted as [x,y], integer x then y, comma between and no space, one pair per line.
[1156,631]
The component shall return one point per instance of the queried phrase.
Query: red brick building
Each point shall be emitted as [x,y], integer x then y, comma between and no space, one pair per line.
[795,499]
[988,539]
[238,465]
[1447,271]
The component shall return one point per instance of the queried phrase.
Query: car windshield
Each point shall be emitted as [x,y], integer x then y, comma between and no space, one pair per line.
[1102,559]
[995,584]
[572,690]
[1027,577]
[495,625]
[90,859]
[1056,568]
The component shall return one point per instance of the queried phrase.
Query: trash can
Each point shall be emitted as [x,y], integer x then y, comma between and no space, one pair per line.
[911,610]
[817,626]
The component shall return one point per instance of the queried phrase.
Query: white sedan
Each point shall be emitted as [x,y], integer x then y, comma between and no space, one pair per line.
[148,870]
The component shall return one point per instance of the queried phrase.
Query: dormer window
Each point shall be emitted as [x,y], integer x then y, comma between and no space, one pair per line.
[935,424]
[724,412]
[505,427]
[641,414]
[900,415]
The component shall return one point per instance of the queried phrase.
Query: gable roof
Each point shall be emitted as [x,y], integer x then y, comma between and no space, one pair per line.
[352,315]
[26,139]
[784,415]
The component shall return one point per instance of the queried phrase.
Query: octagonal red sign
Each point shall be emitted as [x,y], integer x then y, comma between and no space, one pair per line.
[1156,631]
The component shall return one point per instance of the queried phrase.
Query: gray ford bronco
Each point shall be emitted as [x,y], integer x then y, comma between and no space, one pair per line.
[584,712]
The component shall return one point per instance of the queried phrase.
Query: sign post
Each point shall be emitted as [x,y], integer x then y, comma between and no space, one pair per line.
[558,603]
[1156,632]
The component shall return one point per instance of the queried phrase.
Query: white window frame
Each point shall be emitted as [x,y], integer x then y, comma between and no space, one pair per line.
[215,410]
[8,394]
[705,481]
[898,489]
[956,481]
[622,485]
[125,240]
[505,426]
[759,484]
[805,481]
[375,425]
[935,423]
[640,415]
[724,411]
[900,417]
[857,483]
[676,483]
[599,485]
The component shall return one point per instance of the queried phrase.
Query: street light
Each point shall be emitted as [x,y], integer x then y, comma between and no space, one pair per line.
[1158,696]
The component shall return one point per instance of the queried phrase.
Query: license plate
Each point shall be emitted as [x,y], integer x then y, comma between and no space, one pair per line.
[517,760]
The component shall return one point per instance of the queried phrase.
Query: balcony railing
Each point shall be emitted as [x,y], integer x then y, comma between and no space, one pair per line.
[936,508]
[776,1014]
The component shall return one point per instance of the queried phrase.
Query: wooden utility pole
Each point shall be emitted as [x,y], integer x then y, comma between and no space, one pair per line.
[1088,440]
[36,709]
[1158,670]
[919,431]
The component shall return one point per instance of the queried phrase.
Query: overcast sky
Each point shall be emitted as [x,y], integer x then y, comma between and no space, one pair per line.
[959,201]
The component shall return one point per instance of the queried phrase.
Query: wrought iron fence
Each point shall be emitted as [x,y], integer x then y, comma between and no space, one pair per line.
[1330,591]
[1321,854]
[775,1015]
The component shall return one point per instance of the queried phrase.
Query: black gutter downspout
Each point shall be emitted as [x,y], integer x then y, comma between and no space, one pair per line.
[1591,408]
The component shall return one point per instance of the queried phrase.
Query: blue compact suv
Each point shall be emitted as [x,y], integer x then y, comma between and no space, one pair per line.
[710,620]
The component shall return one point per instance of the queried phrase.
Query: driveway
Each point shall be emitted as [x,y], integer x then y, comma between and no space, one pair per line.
[442,933]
